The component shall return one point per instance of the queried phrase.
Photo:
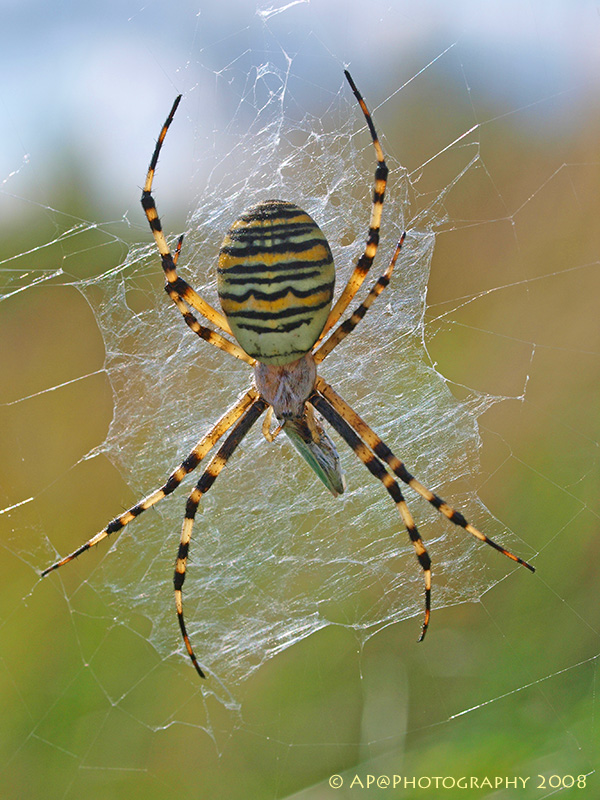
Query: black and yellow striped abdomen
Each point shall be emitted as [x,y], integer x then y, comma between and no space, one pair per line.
[275,281]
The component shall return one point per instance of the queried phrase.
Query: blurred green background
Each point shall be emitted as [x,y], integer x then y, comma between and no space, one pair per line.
[502,687]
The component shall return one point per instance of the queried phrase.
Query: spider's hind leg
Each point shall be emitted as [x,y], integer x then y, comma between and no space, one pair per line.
[346,328]
[176,286]
[366,260]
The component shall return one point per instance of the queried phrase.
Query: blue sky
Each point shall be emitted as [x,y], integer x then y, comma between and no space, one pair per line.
[92,81]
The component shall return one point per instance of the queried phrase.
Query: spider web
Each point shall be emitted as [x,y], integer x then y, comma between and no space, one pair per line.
[276,561]
[260,580]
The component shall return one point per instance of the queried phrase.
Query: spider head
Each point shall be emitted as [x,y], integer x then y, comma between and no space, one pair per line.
[288,386]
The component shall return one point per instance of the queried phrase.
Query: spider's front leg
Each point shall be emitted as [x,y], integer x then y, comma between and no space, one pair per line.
[202,448]
[378,470]
[207,479]
[372,451]
[341,408]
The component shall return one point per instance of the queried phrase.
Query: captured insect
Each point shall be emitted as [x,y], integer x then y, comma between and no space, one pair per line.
[275,284]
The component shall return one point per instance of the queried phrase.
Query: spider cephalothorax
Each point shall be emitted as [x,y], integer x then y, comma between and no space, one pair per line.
[275,283]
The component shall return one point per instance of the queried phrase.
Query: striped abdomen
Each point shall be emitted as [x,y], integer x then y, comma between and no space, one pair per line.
[275,281]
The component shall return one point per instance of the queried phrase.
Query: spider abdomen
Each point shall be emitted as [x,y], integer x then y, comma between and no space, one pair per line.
[275,281]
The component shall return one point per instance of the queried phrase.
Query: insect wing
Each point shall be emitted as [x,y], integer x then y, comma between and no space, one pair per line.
[317,449]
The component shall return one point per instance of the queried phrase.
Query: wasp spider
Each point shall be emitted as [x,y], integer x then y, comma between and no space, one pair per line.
[275,285]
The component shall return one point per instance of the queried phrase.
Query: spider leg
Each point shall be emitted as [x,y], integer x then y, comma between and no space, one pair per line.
[270,435]
[178,249]
[206,443]
[207,479]
[377,469]
[385,454]
[175,285]
[349,324]
[364,263]
[210,336]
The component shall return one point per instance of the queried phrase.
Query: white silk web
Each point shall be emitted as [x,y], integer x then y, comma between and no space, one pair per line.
[275,560]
